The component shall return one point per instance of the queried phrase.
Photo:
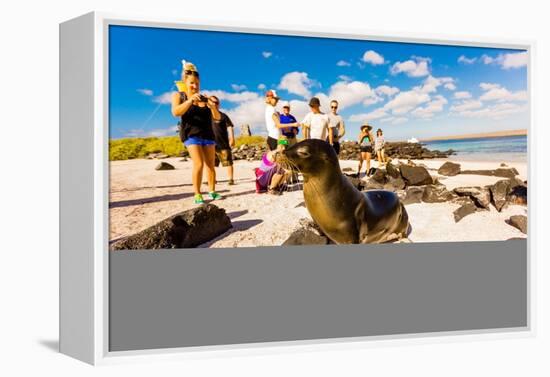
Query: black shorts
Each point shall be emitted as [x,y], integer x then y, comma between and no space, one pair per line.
[271,143]
[224,156]
[336,146]
[366,148]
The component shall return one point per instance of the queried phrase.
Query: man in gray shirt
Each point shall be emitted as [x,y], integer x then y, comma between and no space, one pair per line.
[336,125]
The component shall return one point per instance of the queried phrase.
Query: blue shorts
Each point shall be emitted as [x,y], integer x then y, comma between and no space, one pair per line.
[194,140]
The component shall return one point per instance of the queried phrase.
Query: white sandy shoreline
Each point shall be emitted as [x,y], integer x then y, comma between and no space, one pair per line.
[142,196]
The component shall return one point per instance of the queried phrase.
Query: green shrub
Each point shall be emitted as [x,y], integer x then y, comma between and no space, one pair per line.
[140,147]
[130,148]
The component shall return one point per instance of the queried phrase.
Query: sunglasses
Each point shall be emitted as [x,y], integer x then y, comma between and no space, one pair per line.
[193,73]
[334,107]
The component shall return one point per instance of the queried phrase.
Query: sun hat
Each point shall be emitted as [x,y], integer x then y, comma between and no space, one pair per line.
[271,93]
[286,104]
[367,126]
[314,101]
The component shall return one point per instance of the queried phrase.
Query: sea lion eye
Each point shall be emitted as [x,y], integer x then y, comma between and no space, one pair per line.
[302,152]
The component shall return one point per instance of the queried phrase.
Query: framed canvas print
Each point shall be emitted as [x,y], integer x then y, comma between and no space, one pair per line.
[232,186]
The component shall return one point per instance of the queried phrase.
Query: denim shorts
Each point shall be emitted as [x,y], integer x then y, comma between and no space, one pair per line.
[194,140]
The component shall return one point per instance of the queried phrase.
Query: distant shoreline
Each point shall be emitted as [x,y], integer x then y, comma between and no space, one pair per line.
[522,132]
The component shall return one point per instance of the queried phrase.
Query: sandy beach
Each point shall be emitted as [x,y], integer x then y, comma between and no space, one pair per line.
[142,196]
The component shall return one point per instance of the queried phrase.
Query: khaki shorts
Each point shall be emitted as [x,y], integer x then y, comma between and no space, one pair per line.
[224,156]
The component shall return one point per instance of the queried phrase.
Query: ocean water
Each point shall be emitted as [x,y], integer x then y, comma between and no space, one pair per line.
[508,148]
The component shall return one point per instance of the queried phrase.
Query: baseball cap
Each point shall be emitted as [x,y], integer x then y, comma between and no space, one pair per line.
[314,101]
[271,93]
[286,104]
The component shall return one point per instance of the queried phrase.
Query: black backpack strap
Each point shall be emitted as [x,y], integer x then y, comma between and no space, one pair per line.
[183,97]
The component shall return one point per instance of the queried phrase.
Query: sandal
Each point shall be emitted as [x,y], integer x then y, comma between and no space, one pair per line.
[199,199]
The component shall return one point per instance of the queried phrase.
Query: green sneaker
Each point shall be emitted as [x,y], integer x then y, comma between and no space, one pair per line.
[199,199]
[214,195]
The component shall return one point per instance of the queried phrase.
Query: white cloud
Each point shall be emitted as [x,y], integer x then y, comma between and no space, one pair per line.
[164,98]
[462,95]
[376,114]
[495,112]
[412,68]
[237,87]
[465,60]
[233,97]
[251,112]
[372,57]
[297,83]
[514,60]
[406,101]
[261,86]
[486,59]
[431,84]
[148,133]
[351,93]
[145,92]
[507,61]
[450,86]
[371,101]
[344,78]
[394,120]
[466,105]
[386,90]
[495,92]
[436,105]
[487,86]
[343,63]
[267,54]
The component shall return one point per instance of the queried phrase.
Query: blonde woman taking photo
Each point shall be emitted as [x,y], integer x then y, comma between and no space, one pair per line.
[196,113]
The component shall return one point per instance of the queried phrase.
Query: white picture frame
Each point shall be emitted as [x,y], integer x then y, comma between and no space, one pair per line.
[84,191]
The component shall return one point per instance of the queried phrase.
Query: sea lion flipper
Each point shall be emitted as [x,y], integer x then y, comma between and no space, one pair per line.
[362,227]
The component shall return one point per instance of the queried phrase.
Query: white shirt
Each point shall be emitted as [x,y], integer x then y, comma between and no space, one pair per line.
[334,123]
[272,129]
[318,125]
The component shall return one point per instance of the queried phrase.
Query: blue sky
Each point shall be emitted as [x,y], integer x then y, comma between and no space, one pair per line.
[408,90]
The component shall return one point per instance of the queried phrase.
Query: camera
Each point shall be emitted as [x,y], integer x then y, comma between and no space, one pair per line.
[203,98]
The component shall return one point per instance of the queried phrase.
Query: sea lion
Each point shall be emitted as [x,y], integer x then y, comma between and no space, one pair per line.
[345,214]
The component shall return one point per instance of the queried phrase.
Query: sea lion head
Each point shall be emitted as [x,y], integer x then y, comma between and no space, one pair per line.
[312,157]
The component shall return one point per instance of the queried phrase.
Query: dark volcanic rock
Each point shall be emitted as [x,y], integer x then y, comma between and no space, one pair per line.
[480,196]
[392,171]
[413,195]
[379,176]
[464,210]
[186,229]
[394,184]
[449,169]
[415,175]
[518,221]
[436,194]
[164,166]
[500,172]
[308,233]
[508,191]
[355,181]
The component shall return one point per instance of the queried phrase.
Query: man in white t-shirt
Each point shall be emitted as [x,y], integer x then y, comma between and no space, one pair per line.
[316,123]
[336,126]
[271,119]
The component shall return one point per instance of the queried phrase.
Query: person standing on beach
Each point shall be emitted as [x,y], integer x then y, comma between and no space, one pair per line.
[196,112]
[272,119]
[290,129]
[336,126]
[365,140]
[379,147]
[225,140]
[316,123]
